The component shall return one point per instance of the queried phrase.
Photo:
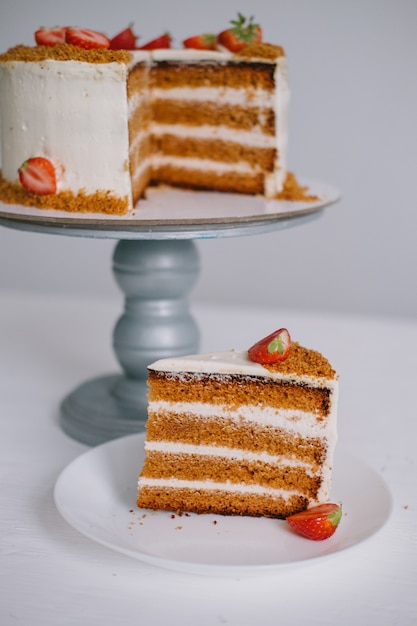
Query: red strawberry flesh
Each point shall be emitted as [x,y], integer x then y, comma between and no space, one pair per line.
[318,523]
[50,36]
[241,33]
[206,41]
[164,41]
[37,175]
[86,38]
[272,349]
[125,40]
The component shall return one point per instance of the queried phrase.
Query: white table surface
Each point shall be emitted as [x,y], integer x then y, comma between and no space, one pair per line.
[52,575]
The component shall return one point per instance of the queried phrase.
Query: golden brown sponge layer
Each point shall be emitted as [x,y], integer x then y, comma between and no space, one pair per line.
[202,179]
[247,75]
[195,430]
[217,149]
[220,502]
[262,392]
[211,113]
[220,469]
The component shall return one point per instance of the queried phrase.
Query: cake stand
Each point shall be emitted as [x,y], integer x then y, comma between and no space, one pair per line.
[156,264]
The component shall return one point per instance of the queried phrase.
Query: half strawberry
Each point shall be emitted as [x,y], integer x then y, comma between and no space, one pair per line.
[318,523]
[37,175]
[271,349]
[86,38]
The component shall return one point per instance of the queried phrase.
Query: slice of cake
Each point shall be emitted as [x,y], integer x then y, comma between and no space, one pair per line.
[111,122]
[231,436]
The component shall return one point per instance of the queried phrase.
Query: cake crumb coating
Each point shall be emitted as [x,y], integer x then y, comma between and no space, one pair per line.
[304,362]
[65,52]
[82,202]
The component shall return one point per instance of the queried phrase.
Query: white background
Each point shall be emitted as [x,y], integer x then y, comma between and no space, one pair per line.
[353,76]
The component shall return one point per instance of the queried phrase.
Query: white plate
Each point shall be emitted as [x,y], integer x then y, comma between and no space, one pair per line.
[96,494]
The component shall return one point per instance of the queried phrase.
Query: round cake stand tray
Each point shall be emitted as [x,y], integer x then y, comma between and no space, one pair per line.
[156,264]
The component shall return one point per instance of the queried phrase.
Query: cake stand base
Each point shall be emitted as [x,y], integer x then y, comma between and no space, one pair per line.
[155,277]
[93,414]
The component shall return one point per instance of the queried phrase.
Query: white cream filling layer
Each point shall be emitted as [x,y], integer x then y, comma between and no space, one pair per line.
[254,137]
[210,485]
[219,95]
[206,165]
[169,447]
[298,423]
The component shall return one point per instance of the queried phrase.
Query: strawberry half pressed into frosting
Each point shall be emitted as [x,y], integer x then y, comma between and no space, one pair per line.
[38,176]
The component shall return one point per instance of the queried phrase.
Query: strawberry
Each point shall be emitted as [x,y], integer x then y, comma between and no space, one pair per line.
[318,523]
[125,40]
[38,176]
[164,41]
[206,41]
[241,33]
[50,36]
[271,349]
[86,38]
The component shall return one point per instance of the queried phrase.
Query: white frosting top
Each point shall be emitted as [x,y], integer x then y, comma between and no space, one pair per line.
[232,362]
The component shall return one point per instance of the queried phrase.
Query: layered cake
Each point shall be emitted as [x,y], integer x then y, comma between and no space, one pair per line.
[109,123]
[232,436]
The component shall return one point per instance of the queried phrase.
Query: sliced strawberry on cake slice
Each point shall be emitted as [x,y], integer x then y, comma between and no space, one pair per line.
[242,32]
[271,349]
[206,41]
[164,41]
[125,40]
[318,523]
[50,36]
[38,176]
[86,38]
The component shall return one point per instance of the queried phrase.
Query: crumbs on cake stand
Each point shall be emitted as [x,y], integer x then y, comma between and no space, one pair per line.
[292,190]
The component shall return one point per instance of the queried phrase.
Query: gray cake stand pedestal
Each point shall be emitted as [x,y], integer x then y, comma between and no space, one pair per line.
[156,265]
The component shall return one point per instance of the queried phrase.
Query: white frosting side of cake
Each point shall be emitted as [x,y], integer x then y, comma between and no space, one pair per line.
[232,362]
[62,110]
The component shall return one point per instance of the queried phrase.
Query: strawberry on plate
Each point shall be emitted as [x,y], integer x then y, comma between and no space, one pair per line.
[86,38]
[241,33]
[50,36]
[164,41]
[38,176]
[271,349]
[125,40]
[206,41]
[318,523]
